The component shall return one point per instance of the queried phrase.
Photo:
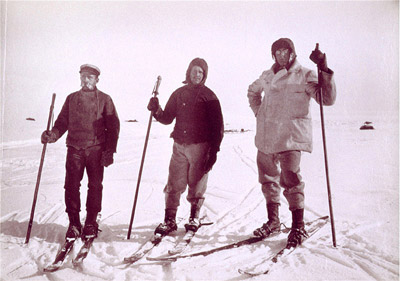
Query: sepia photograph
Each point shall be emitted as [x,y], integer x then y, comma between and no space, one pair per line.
[199,140]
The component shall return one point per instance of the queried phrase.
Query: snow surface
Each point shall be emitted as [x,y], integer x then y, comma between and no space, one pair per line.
[363,168]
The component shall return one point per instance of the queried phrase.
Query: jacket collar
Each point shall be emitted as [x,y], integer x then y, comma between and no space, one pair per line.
[95,90]
[293,68]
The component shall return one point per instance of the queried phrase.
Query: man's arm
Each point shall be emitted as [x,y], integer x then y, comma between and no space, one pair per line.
[112,125]
[216,123]
[327,83]
[254,94]
[61,124]
[328,86]
[167,115]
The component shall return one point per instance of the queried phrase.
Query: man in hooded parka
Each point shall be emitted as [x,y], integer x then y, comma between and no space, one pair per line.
[284,130]
[197,135]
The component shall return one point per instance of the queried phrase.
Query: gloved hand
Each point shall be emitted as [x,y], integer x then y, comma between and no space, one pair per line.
[319,59]
[48,137]
[211,159]
[107,158]
[153,105]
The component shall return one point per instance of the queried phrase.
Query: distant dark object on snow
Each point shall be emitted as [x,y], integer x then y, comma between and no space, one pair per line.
[236,131]
[367,126]
[131,120]
[30,119]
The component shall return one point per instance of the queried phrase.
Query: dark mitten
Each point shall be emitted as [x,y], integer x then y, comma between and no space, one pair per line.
[319,59]
[211,159]
[153,105]
[107,158]
[48,137]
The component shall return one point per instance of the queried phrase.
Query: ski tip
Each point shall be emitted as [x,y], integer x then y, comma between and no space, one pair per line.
[252,274]
[245,272]
[162,259]
[172,252]
[51,268]
[130,260]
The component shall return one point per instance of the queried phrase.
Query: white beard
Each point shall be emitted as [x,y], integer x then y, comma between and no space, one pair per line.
[87,85]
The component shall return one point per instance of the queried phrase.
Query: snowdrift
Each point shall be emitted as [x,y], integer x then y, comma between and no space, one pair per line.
[364,181]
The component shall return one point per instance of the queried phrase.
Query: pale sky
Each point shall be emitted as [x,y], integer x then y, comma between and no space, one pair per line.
[44,43]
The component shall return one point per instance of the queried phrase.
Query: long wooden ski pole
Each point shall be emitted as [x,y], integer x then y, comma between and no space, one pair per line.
[155,92]
[28,234]
[326,154]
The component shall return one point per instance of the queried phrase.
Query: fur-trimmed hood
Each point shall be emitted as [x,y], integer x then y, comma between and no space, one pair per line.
[199,62]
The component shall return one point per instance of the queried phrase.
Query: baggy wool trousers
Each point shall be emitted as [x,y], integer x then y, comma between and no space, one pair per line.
[186,168]
[281,170]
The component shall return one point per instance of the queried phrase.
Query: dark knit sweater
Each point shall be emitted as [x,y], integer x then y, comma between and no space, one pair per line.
[90,119]
[198,116]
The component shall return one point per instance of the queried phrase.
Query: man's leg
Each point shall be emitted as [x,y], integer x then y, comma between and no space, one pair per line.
[74,167]
[291,179]
[177,181]
[269,175]
[197,155]
[95,172]
[294,193]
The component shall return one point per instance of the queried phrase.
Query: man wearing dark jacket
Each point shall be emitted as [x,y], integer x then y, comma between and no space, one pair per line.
[197,135]
[91,120]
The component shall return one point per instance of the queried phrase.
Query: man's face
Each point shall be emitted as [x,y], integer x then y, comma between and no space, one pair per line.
[282,56]
[196,75]
[88,80]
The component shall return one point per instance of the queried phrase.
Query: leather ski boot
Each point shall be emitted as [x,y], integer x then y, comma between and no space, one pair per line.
[169,223]
[194,222]
[297,234]
[91,228]
[75,227]
[272,226]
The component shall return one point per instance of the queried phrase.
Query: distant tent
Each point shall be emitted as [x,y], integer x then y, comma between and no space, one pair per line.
[131,120]
[236,131]
[367,126]
[30,119]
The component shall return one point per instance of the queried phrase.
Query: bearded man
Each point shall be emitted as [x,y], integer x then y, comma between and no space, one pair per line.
[90,117]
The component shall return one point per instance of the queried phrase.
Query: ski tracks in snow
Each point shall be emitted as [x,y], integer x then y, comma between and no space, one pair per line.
[242,200]
[234,198]
[245,159]
[353,256]
[366,256]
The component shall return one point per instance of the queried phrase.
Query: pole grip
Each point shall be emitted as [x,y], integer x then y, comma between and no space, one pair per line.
[51,111]
[158,82]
